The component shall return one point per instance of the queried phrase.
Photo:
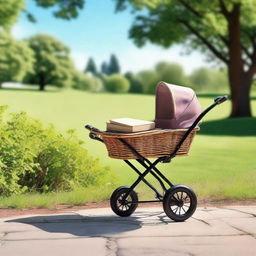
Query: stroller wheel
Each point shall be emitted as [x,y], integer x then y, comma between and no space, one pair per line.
[123,208]
[179,202]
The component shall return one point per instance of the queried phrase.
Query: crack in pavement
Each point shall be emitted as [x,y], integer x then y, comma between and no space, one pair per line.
[252,214]
[238,229]
[244,232]
[2,238]
[111,246]
[203,221]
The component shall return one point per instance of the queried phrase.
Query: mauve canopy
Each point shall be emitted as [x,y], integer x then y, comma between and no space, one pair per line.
[177,107]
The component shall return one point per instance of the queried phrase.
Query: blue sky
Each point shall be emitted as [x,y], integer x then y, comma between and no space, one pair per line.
[98,32]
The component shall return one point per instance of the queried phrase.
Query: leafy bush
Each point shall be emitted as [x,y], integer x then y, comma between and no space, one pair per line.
[208,80]
[135,85]
[84,82]
[171,73]
[149,79]
[34,158]
[116,83]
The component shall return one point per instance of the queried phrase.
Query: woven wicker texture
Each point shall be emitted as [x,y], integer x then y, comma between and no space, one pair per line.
[149,144]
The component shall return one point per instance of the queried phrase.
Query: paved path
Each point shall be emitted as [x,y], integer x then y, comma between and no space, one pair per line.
[211,231]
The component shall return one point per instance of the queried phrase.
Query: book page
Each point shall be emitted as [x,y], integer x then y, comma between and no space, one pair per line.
[130,122]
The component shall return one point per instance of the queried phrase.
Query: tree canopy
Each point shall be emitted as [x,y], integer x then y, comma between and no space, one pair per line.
[91,67]
[225,30]
[113,66]
[171,73]
[65,9]
[53,64]
[16,59]
[9,11]
[208,80]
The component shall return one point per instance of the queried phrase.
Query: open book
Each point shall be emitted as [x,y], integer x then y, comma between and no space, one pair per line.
[129,125]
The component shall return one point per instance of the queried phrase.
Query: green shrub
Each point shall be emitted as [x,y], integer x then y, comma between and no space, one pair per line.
[135,85]
[208,80]
[97,85]
[171,73]
[82,81]
[116,83]
[34,158]
[149,79]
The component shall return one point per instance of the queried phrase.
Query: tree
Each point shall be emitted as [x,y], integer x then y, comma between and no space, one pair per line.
[113,66]
[84,82]
[149,79]
[208,80]
[117,84]
[171,73]
[16,59]
[200,79]
[135,85]
[91,67]
[9,11]
[65,9]
[104,67]
[223,29]
[53,64]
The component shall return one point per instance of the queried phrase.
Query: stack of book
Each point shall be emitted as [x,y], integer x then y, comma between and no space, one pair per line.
[129,125]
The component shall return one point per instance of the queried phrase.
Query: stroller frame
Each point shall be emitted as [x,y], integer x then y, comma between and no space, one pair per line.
[150,167]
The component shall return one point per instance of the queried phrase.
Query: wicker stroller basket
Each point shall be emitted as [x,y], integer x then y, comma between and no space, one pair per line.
[149,144]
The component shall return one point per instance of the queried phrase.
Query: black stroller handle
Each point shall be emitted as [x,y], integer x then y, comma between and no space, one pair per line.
[218,100]
[93,135]
[91,128]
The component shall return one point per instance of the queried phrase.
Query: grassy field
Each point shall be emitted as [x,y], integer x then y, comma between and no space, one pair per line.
[221,164]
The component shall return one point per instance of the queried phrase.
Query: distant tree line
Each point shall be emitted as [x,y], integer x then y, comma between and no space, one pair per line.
[145,81]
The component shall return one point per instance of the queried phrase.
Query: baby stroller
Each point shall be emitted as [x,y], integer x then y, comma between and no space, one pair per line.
[178,114]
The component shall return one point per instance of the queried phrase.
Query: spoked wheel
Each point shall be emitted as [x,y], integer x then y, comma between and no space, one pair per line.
[179,202]
[123,208]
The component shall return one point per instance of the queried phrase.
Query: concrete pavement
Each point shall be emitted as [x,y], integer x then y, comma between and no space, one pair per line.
[229,230]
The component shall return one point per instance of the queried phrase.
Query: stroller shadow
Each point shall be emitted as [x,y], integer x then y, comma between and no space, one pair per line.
[91,226]
[80,225]
[230,127]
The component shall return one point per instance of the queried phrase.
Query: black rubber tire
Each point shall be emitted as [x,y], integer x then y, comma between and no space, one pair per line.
[126,209]
[179,202]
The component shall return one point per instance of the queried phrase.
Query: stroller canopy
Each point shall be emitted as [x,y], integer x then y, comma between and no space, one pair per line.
[177,107]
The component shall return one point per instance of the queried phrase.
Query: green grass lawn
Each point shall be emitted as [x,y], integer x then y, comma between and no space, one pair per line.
[221,164]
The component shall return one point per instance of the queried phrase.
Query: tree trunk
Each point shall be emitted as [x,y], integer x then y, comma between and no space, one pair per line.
[41,87]
[240,96]
[41,82]
[239,81]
